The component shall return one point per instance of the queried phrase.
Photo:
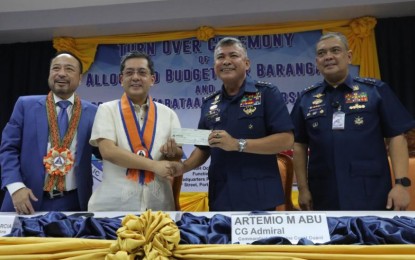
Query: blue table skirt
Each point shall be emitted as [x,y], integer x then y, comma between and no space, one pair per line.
[363,230]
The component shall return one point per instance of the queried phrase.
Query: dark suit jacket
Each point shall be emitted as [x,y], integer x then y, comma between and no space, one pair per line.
[24,143]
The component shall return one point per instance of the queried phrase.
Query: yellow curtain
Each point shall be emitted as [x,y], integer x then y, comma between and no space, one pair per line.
[194,201]
[360,33]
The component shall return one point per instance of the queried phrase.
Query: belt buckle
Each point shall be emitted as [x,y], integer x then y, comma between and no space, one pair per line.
[55,194]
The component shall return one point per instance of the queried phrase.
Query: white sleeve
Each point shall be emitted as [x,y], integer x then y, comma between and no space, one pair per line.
[15,186]
[175,122]
[104,123]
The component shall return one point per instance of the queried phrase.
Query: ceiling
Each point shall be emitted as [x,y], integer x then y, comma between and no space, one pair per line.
[41,20]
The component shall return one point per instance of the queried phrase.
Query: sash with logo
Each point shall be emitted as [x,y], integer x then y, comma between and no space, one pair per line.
[59,161]
[140,140]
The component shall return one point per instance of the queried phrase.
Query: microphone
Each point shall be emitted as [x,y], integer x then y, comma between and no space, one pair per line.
[335,104]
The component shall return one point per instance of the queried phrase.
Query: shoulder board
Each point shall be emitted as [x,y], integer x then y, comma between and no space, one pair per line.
[369,81]
[311,87]
[262,84]
[211,95]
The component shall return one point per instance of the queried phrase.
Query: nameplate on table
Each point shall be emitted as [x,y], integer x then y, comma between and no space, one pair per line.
[7,223]
[248,228]
[191,136]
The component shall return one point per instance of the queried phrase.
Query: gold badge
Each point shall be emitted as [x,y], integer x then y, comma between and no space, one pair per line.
[317,101]
[357,106]
[216,100]
[358,120]
[249,110]
[355,88]
[319,95]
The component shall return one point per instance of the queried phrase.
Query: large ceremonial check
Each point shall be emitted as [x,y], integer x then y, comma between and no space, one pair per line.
[185,75]
[191,136]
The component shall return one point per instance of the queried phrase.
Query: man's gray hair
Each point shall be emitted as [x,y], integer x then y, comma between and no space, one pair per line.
[229,41]
[337,35]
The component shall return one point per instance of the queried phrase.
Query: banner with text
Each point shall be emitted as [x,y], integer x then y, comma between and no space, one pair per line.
[184,75]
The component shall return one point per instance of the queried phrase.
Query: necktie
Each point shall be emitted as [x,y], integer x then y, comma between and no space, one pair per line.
[63,118]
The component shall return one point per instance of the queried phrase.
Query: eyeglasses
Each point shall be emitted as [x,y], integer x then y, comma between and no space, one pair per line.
[141,72]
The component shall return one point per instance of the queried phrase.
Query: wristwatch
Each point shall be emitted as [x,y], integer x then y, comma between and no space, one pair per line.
[406,182]
[242,145]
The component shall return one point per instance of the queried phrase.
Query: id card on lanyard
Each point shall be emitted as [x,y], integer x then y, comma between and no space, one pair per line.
[338,120]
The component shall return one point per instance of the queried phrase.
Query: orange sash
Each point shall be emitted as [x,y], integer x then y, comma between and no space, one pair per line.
[140,140]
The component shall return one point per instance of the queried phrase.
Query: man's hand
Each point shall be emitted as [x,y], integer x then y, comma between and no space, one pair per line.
[221,139]
[305,200]
[178,168]
[398,198]
[170,149]
[21,201]
[168,169]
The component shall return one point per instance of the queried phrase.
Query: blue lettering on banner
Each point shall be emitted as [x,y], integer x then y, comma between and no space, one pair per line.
[290,97]
[204,89]
[148,47]
[157,77]
[180,103]
[286,70]
[101,80]
[181,47]
[268,41]
[212,43]
[187,75]
[261,41]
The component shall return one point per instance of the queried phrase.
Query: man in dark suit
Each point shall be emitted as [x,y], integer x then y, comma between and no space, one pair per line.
[45,167]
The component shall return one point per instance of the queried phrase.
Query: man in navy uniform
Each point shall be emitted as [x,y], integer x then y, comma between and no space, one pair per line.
[341,125]
[250,124]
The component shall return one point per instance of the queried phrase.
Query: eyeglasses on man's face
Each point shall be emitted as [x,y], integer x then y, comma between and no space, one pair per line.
[140,72]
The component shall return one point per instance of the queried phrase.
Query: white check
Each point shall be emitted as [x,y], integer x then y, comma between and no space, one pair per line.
[191,136]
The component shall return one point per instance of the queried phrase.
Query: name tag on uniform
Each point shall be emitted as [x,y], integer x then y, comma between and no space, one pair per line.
[338,120]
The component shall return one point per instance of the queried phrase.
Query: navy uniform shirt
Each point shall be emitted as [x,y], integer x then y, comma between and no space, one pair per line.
[245,181]
[348,168]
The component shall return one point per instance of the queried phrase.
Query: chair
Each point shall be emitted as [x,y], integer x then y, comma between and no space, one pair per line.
[410,138]
[176,186]
[411,176]
[285,165]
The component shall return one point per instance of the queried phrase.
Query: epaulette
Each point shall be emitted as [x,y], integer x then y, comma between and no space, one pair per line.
[369,81]
[311,87]
[262,84]
[211,95]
